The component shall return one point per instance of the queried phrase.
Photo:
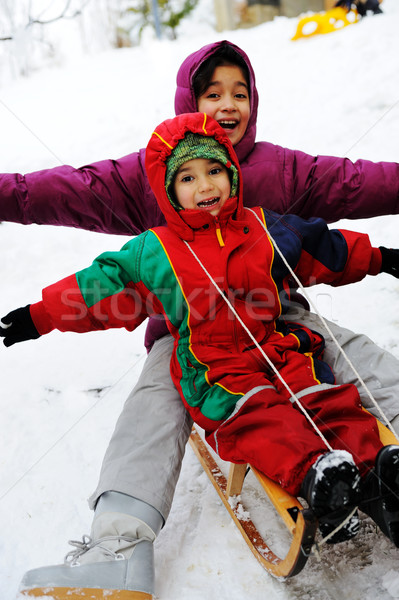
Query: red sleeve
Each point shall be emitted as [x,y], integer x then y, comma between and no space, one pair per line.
[41,320]
[344,257]
[62,308]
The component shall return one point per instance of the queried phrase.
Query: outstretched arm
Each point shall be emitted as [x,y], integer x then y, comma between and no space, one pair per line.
[108,294]
[111,196]
[322,255]
[332,188]
[337,257]
[336,188]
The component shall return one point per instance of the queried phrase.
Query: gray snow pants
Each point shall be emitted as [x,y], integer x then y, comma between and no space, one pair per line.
[146,450]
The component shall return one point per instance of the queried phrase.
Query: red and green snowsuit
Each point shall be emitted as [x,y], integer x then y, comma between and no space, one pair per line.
[247,414]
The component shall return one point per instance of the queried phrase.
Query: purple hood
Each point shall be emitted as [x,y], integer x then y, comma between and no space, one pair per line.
[185,101]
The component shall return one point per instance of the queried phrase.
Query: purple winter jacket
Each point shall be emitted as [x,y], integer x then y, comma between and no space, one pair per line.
[114,196]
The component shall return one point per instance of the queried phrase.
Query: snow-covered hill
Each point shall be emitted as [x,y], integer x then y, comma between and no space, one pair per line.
[335,94]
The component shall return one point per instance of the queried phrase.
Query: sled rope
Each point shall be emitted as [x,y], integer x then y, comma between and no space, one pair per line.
[325,539]
[269,362]
[323,320]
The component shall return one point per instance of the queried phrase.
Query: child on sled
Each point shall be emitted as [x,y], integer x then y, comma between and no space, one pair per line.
[212,250]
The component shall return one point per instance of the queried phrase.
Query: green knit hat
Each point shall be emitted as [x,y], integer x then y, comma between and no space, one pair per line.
[194,146]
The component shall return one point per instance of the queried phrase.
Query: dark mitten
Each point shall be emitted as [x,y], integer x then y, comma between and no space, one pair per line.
[390,261]
[18,326]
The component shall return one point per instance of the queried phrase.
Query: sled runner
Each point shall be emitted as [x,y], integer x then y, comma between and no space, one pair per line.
[326,22]
[85,594]
[300,521]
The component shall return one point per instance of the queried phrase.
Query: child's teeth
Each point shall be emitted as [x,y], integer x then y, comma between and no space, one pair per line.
[208,202]
[228,124]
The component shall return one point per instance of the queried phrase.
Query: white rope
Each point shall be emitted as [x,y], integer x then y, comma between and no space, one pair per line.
[341,350]
[270,363]
[342,524]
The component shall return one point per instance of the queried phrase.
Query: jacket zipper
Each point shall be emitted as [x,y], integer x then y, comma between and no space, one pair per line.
[222,244]
[219,233]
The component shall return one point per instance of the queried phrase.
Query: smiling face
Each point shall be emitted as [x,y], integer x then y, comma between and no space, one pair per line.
[226,99]
[202,184]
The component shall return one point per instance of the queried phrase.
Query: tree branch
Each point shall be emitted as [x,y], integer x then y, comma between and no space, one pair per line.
[62,15]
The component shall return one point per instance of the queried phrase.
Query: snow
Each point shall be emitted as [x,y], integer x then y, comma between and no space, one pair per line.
[331,459]
[335,94]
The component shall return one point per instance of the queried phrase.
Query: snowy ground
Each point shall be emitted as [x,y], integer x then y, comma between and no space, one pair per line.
[335,94]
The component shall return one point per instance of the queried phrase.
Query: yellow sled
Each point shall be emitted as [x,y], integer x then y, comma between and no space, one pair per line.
[326,22]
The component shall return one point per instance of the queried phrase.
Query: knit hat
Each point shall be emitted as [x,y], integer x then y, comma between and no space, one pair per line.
[194,146]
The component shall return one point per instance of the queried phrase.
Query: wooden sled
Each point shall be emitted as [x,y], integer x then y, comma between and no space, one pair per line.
[300,521]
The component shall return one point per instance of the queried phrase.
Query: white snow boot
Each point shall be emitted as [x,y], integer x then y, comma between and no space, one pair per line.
[117,557]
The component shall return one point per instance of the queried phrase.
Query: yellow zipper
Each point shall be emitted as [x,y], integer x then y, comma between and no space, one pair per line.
[219,233]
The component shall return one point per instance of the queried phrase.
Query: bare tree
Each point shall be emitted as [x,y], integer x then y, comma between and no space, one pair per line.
[23,25]
[67,12]
[32,36]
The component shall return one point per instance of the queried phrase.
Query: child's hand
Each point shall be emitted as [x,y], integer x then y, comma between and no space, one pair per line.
[390,261]
[18,326]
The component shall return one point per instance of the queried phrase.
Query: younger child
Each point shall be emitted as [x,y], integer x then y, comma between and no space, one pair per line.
[213,250]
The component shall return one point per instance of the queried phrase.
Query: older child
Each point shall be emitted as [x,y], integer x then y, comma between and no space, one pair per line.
[247,414]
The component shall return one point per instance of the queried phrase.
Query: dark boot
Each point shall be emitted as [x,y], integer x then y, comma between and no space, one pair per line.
[332,489]
[373,5]
[381,493]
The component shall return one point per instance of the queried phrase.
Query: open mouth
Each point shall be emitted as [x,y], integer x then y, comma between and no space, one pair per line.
[228,124]
[208,203]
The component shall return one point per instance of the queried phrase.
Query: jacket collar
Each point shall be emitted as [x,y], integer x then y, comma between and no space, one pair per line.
[198,219]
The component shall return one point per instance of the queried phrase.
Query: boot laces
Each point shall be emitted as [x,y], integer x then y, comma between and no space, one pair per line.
[87,543]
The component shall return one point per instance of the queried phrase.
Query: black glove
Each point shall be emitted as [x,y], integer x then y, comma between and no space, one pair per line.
[390,261]
[18,326]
